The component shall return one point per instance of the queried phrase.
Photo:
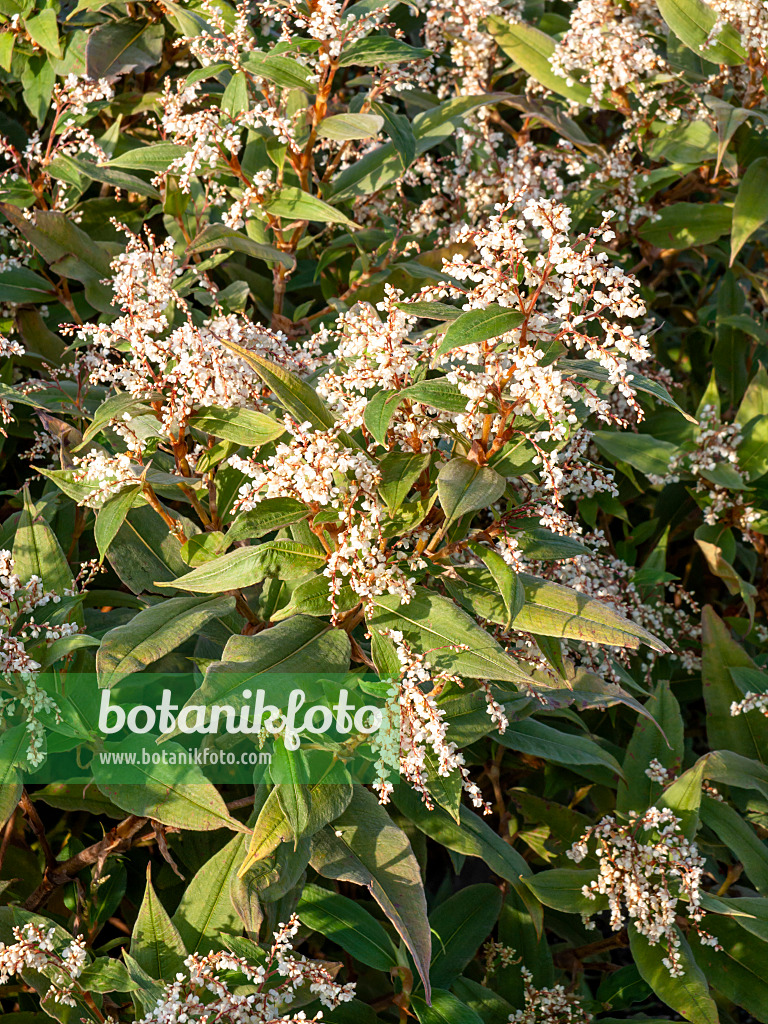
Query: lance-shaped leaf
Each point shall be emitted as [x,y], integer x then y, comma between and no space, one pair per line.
[206,911]
[294,204]
[461,924]
[464,486]
[439,393]
[328,797]
[283,559]
[111,516]
[662,742]
[37,552]
[346,127]
[532,49]
[750,211]
[507,580]
[366,847]
[297,645]
[296,397]
[348,924]
[553,610]
[692,21]
[747,734]
[219,236]
[471,835]
[154,632]
[156,945]
[477,325]
[433,623]
[687,994]
[171,791]
[243,426]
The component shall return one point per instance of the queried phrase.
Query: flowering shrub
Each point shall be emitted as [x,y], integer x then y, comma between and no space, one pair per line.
[417,351]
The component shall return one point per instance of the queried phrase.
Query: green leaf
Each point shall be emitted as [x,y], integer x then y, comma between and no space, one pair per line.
[235,100]
[36,551]
[297,397]
[116,47]
[379,168]
[372,851]
[533,50]
[14,743]
[747,734]
[478,325]
[683,797]
[739,838]
[294,204]
[297,645]
[685,225]
[328,797]
[111,517]
[435,624]
[156,945]
[154,632]
[736,969]
[594,371]
[206,911]
[507,580]
[692,21]
[154,157]
[491,1007]
[398,127]
[243,426]
[641,451]
[561,889]
[375,50]
[269,515]
[176,794]
[540,740]
[444,1008]
[218,236]
[464,486]
[347,924]
[663,743]
[290,774]
[750,211]
[68,250]
[687,995]
[553,610]
[44,30]
[346,127]
[399,472]
[281,70]
[19,284]
[430,310]
[285,559]
[106,975]
[459,926]
[471,835]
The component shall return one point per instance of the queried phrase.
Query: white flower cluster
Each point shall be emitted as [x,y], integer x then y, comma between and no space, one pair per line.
[646,868]
[751,702]
[417,740]
[611,48]
[178,368]
[317,468]
[716,446]
[656,772]
[18,669]
[548,1005]
[34,951]
[204,992]
[749,18]
[568,294]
